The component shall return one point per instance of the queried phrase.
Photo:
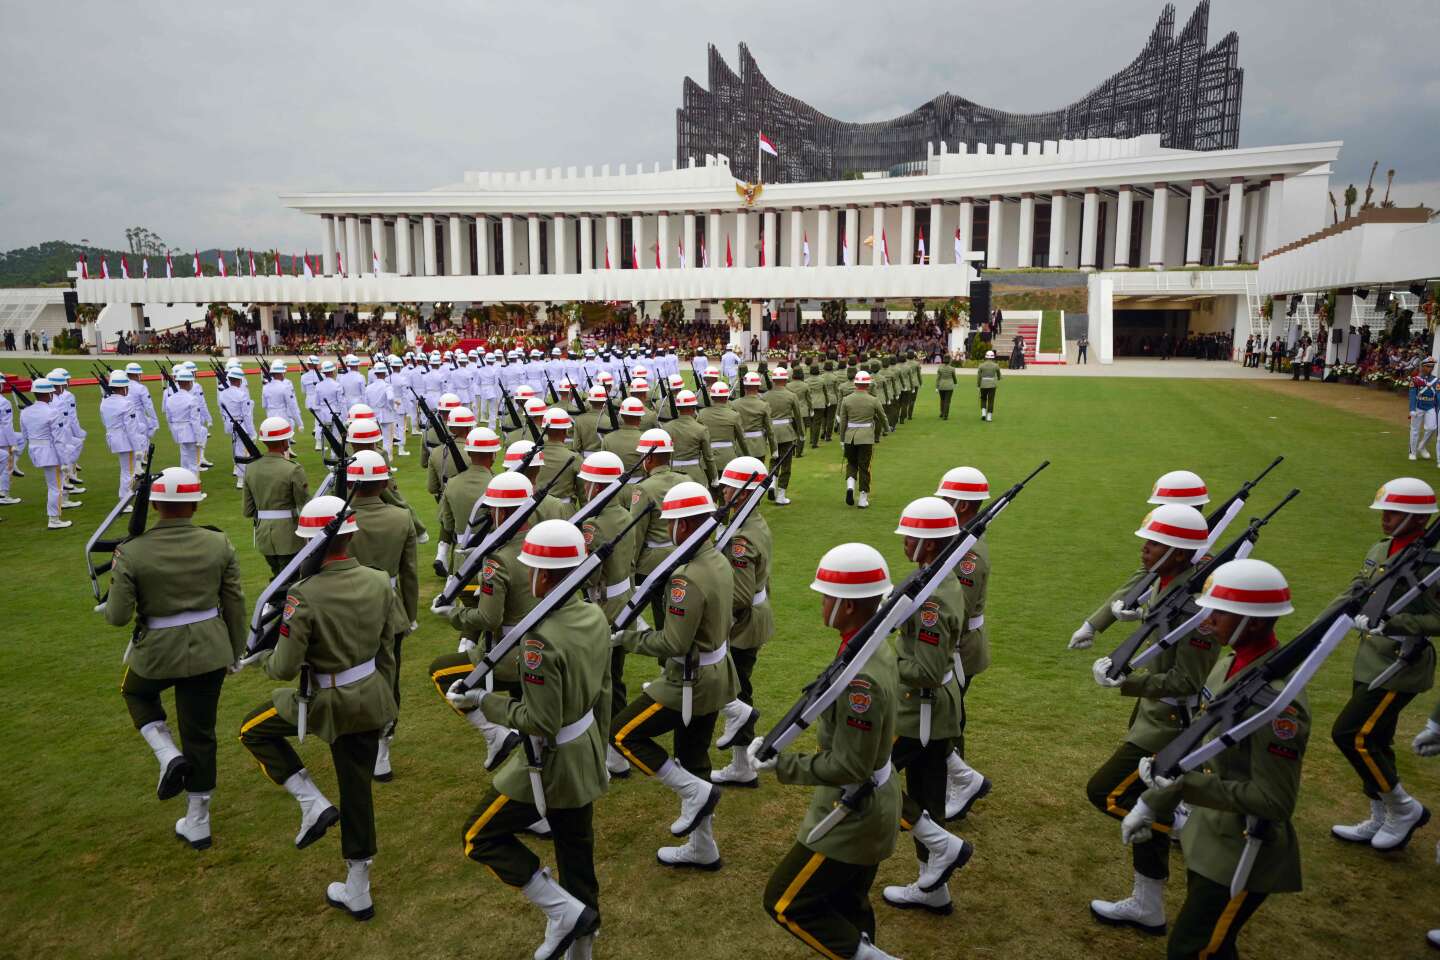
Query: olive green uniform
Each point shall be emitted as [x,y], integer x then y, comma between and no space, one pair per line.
[752,621]
[562,462]
[1167,694]
[945,387]
[917,380]
[178,569]
[566,687]
[973,576]
[612,585]
[502,598]
[623,443]
[693,459]
[275,484]
[755,424]
[819,892]
[440,469]
[727,437]
[787,422]
[1364,731]
[458,503]
[1258,777]
[341,618]
[697,603]
[1104,617]
[587,430]
[652,538]
[386,542]
[804,410]
[987,378]
[862,422]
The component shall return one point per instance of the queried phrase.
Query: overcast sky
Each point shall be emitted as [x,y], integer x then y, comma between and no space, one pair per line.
[190,119]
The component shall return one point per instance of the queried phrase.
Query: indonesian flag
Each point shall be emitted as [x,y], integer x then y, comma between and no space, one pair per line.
[805,248]
[845,248]
[375,262]
[238,273]
[704,254]
[220,259]
[657,256]
[252,262]
[309,272]
[339,263]
[607,256]
[884,248]
[767,146]
[634,256]
[729,260]
[104,269]
[196,263]
[682,253]
[82,267]
[279,271]
[169,268]
[959,253]
[124,268]
[921,251]
[145,268]
[762,251]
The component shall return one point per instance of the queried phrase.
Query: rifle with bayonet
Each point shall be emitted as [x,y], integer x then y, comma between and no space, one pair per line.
[704,390]
[898,607]
[252,452]
[446,438]
[479,522]
[137,501]
[1406,585]
[334,435]
[340,363]
[1175,615]
[102,379]
[165,373]
[550,386]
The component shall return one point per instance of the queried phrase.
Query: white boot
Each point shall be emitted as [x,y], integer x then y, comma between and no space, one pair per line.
[383,773]
[699,851]
[868,951]
[850,491]
[739,773]
[442,558]
[316,813]
[912,898]
[780,498]
[499,740]
[948,853]
[174,768]
[353,896]
[697,798]
[963,786]
[616,764]
[56,523]
[1144,909]
[864,498]
[1403,816]
[737,714]
[565,916]
[1365,830]
[194,827]
[1433,938]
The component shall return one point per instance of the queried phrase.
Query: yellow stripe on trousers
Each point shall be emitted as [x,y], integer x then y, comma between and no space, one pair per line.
[247,726]
[1115,810]
[1365,729]
[481,820]
[644,715]
[1222,926]
[455,671]
[791,892]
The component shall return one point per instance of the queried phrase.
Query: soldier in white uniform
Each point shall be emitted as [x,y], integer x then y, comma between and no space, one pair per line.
[37,432]
[327,394]
[11,446]
[487,380]
[730,365]
[70,438]
[380,397]
[309,380]
[144,404]
[237,405]
[437,381]
[202,406]
[462,379]
[352,385]
[125,432]
[182,413]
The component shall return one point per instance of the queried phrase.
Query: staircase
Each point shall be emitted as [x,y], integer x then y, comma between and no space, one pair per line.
[1011,329]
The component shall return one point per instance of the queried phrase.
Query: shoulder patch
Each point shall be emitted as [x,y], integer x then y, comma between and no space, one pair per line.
[291,602]
[1284,728]
[533,659]
[967,565]
[589,532]
[679,588]
[929,614]
[634,498]
[859,699]
[490,567]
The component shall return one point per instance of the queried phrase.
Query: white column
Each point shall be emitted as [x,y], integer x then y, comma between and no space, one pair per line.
[1123,214]
[587,243]
[714,247]
[267,322]
[967,224]
[992,233]
[662,238]
[1197,220]
[403,257]
[741,254]
[560,230]
[455,264]
[1159,205]
[932,243]
[482,245]
[1272,227]
[377,241]
[852,233]
[362,259]
[687,237]
[507,245]
[824,251]
[1058,202]
[352,246]
[797,236]
[877,227]
[1222,215]
[327,240]
[1252,226]
[1026,257]
[637,241]
[768,219]
[907,233]
[427,232]
[532,226]
[1088,226]
[612,242]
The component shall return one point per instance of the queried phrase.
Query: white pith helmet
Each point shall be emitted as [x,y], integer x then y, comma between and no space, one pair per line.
[318,513]
[963,483]
[1180,486]
[688,499]
[852,571]
[928,518]
[1175,525]
[1249,587]
[176,485]
[553,545]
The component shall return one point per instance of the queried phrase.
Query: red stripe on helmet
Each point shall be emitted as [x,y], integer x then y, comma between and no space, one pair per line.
[502,494]
[1281,595]
[315,521]
[1181,492]
[1409,498]
[602,471]
[929,523]
[959,487]
[750,477]
[542,550]
[182,488]
[850,576]
[685,502]
[1184,533]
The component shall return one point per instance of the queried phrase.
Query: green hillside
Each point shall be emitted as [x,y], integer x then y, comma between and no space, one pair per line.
[47,263]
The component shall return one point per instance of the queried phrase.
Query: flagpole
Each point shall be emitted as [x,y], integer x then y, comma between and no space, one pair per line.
[759,159]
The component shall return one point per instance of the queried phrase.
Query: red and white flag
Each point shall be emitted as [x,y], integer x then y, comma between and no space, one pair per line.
[959,253]
[195,264]
[805,248]
[704,254]
[279,271]
[220,259]
[607,256]
[375,262]
[252,262]
[767,146]
[634,256]
[845,248]
[762,251]
[309,272]
[339,263]
[169,268]
[729,260]
[145,268]
[921,251]
[682,253]
[104,269]
[124,268]
[82,267]
[884,248]
[657,256]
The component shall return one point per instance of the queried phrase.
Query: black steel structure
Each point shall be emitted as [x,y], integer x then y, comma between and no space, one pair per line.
[1177,87]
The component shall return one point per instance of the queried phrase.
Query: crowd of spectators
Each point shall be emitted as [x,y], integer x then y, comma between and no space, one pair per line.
[1196,346]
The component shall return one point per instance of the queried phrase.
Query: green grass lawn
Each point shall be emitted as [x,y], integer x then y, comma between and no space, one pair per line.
[92,869]
[1052,337]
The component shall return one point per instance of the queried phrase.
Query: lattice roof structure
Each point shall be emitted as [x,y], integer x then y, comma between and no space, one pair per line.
[1178,87]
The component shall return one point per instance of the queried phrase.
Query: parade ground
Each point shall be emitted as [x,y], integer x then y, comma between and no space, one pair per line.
[92,869]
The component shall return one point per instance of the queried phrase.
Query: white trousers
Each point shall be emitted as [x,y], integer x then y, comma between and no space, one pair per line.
[53,495]
[387,438]
[128,465]
[1422,429]
[190,457]
[8,459]
[237,450]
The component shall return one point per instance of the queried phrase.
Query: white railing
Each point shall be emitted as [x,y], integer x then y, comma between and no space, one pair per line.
[1182,281]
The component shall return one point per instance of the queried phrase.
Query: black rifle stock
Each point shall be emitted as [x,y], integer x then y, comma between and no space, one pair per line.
[252,452]
[265,627]
[446,438]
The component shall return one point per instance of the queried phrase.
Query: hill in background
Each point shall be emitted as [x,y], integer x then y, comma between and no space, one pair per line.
[48,263]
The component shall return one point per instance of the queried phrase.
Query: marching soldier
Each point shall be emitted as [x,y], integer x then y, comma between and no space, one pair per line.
[819,892]
[652,539]
[565,658]
[945,386]
[124,429]
[1178,486]
[693,645]
[722,420]
[238,408]
[787,422]
[550,508]
[804,406]
[755,425]
[39,427]
[181,584]
[861,419]
[11,446]
[987,378]
[429,439]
[966,489]
[277,396]
[534,409]
[560,460]
[1166,695]
[275,491]
[183,414]
[326,397]
[929,710]
[337,635]
[457,503]
[611,588]
[640,390]
[587,424]
[835,387]
[309,380]
[442,466]
[1365,729]
[380,397]
[144,403]
[917,380]
[752,622]
[693,458]
[386,542]
[1247,792]
[364,433]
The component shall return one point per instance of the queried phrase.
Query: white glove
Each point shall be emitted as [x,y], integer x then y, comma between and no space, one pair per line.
[1098,671]
[615,638]
[1363,624]
[414,625]
[1135,828]
[1123,612]
[439,609]
[1427,741]
[753,752]
[235,667]
[462,699]
[1153,779]
[100,609]
[1082,638]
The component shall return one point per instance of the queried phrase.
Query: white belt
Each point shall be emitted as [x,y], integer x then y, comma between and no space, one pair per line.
[685,463]
[347,676]
[181,619]
[394,581]
[975,623]
[752,434]
[852,425]
[562,499]
[573,731]
[659,544]
[759,598]
[617,588]
[721,444]
[705,659]
[881,776]
[274,514]
[780,423]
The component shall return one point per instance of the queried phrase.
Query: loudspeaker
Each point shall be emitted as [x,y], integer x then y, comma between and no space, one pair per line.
[72,300]
[979,301]
[1337,335]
